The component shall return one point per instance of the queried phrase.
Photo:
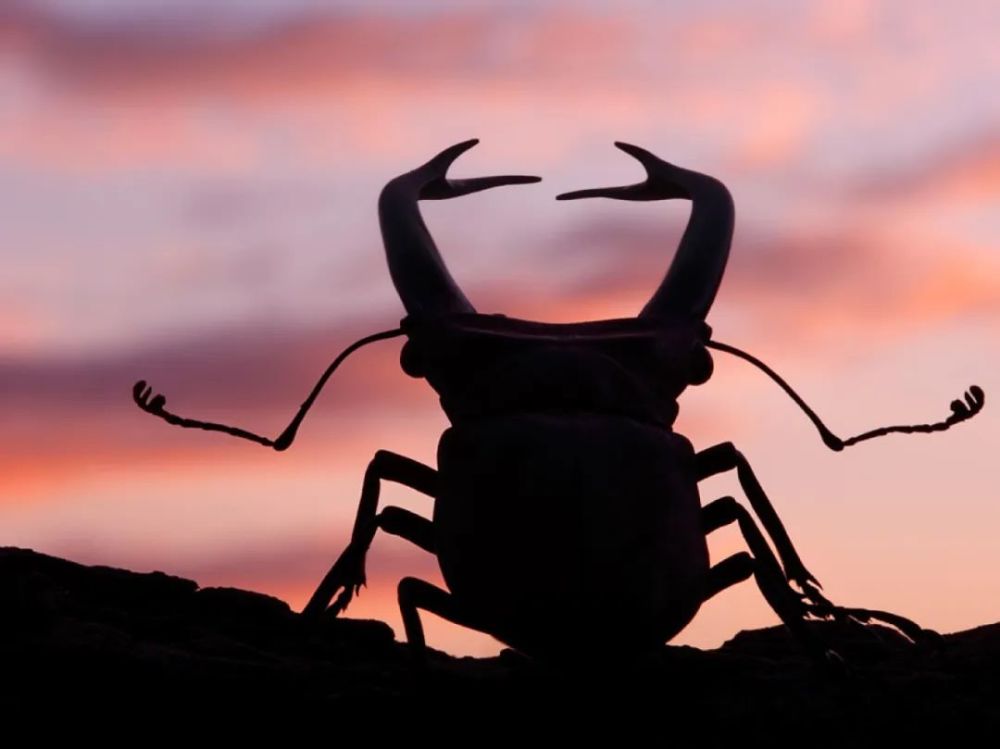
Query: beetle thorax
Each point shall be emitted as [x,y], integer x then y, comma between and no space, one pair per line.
[488,366]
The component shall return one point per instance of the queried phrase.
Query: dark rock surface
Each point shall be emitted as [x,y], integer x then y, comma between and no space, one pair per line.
[96,641]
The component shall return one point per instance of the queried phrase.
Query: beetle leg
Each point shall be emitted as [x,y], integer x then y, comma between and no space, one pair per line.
[348,572]
[725,457]
[762,563]
[727,573]
[410,526]
[350,566]
[418,594]
[791,606]
[913,631]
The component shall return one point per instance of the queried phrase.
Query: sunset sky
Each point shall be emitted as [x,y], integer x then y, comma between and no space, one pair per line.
[187,196]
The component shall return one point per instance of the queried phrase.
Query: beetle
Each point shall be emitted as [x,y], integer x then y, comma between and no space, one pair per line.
[566,509]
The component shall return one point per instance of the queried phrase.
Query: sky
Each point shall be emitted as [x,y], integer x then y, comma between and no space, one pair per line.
[187,196]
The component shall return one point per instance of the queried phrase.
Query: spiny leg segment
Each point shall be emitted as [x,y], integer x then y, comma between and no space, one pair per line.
[763,565]
[788,604]
[348,573]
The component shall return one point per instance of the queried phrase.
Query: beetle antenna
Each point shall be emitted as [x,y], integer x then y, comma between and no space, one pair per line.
[287,436]
[960,411]
[141,395]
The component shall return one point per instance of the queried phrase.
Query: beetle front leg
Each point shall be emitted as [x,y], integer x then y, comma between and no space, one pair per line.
[348,572]
[725,457]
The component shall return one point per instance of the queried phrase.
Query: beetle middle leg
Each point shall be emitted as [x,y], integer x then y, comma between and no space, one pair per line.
[348,572]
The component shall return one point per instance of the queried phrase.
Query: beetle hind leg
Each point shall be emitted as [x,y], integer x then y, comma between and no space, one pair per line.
[727,573]
[764,566]
[907,627]
[417,594]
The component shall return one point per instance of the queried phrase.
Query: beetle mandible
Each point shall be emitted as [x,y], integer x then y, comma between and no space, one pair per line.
[566,509]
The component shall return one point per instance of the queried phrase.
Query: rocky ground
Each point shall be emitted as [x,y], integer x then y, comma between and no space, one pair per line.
[96,641]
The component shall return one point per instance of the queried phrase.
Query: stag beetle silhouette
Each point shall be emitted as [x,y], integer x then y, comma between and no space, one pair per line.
[566,510]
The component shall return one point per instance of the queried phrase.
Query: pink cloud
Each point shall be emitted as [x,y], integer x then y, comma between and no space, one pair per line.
[309,52]
[856,281]
[966,172]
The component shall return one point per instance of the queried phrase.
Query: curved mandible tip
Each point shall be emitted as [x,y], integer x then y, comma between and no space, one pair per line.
[418,272]
[658,184]
[694,276]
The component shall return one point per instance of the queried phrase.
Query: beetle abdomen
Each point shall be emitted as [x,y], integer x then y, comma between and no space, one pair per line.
[560,531]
